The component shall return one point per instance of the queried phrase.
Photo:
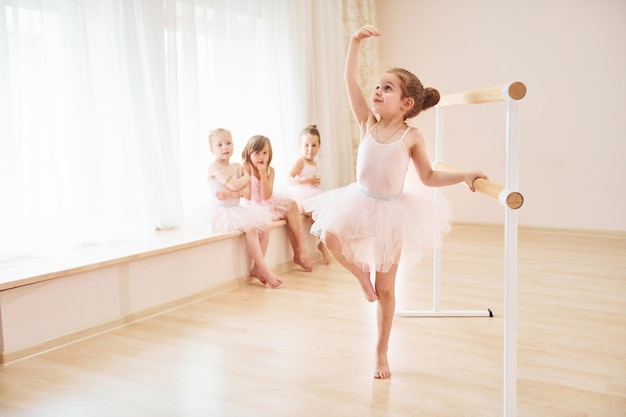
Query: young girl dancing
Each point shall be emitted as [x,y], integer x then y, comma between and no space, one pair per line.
[257,156]
[228,182]
[369,224]
[304,176]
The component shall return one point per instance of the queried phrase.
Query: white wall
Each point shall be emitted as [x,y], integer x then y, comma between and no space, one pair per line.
[571,54]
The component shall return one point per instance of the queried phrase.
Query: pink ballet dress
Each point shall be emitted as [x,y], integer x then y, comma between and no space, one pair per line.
[302,192]
[376,218]
[277,204]
[228,216]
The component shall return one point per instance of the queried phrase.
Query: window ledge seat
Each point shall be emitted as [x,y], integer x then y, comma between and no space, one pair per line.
[47,302]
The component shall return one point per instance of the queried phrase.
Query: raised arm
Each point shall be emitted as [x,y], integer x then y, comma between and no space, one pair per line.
[358,103]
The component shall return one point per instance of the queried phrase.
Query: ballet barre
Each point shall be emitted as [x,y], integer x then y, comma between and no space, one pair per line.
[512,200]
[511,91]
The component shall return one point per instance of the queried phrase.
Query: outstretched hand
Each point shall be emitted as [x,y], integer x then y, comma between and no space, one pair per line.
[471,176]
[366,31]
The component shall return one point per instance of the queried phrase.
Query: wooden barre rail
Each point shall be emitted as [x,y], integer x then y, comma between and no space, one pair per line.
[515,91]
[512,199]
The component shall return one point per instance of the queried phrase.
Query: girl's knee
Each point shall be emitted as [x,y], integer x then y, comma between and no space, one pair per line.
[385,293]
[385,286]
[252,232]
[293,208]
[330,240]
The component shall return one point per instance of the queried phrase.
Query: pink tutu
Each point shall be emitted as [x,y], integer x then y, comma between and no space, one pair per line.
[278,204]
[374,230]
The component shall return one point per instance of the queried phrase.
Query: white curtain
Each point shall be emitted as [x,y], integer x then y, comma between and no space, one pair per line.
[105,106]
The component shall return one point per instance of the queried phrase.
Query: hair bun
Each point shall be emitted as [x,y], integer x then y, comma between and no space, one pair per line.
[431,97]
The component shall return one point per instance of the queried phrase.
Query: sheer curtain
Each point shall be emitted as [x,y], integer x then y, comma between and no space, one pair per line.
[357,13]
[327,103]
[105,107]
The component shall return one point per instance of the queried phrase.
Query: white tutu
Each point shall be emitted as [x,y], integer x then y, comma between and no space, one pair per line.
[239,218]
[228,216]
[373,231]
[301,193]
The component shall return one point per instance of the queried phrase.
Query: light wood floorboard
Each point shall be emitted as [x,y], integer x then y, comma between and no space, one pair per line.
[306,349]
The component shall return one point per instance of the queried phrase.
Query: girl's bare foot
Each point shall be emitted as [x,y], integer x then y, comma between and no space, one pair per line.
[255,273]
[266,277]
[325,255]
[382,368]
[304,262]
[271,279]
[368,288]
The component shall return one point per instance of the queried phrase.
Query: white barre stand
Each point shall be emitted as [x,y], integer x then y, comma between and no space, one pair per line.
[511,200]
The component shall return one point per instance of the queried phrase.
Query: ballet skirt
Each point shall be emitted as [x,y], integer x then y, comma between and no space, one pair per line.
[278,204]
[302,192]
[228,216]
[379,220]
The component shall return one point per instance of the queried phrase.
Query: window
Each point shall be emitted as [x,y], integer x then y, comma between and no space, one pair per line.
[106,108]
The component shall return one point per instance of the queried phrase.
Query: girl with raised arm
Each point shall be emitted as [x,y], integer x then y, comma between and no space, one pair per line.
[368,225]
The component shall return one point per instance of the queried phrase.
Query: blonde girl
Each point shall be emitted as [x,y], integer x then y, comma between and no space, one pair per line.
[228,183]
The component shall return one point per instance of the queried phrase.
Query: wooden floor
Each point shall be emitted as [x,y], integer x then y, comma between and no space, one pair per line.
[306,349]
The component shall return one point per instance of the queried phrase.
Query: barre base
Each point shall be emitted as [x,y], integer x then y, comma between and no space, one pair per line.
[445,313]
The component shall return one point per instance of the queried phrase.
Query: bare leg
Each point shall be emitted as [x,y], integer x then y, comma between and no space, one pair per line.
[260,269]
[264,241]
[325,254]
[308,219]
[385,288]
[296,237]
[334,246]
